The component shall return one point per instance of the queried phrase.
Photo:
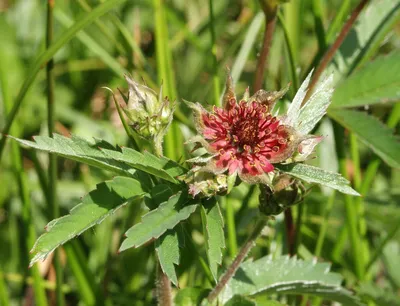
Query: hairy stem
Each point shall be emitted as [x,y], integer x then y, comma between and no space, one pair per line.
[163,288]
[55,210]
[334,47]
[245,249]
[270,16]
[290,230]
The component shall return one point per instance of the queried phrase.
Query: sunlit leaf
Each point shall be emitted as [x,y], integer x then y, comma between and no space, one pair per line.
[158,221]
[213,229]
[104,156]
[316,106]
[311,174]
[147,162]
[94,208]
[377,82]
[287,275]
[370,29]
[167,247]
[372,132]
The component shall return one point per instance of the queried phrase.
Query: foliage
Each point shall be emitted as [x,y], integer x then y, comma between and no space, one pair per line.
[184,209]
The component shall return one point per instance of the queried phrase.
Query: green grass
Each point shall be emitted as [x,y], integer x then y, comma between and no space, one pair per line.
[185,47]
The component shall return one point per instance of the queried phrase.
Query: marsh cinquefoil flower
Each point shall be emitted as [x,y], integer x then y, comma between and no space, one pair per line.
[244,138]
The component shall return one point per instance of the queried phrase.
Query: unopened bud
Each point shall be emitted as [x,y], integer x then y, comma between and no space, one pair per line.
[206,184]
[149,114]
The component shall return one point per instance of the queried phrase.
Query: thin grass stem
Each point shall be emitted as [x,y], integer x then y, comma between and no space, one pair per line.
[244,251]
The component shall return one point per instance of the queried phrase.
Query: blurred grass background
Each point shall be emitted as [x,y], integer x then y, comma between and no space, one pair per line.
[171,42]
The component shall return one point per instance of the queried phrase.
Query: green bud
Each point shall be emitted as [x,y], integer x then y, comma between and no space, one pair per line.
[286,192]
[149,114]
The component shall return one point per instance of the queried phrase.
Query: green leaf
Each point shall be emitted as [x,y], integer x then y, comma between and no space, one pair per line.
[167,247]
[315,107]
[85,20]
[190,296]
[91,44]
[377,82]
[105,156]
[391,258]
[77,149]
[239,300]
[213,229]
[161,167]
[94,208]
[374,22]
[311,174]
[372,132]
[158,221]
[287,275]
[247,46]
[369,292]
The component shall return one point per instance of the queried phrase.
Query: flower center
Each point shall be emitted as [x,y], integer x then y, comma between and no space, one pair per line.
[245,132]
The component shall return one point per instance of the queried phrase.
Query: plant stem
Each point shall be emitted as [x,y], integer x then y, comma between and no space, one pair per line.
[289,47]
[216,79]
[163,288]
[318,24]
[55,210]
[4,300]
[270,22]
[230,225]
[337,21]
[28,226]
[368,178]
[299,223]
[335,46]
[46,56]
[351,210]
[245,249]
[324,224]
[290,230]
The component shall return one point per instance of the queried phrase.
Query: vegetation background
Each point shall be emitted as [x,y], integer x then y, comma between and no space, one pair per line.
[187,46]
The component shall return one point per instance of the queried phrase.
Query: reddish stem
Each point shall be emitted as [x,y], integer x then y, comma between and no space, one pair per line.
[263,59]
[335,46]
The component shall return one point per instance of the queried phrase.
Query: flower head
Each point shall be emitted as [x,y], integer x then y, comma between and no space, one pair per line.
[149,114]
[245,138]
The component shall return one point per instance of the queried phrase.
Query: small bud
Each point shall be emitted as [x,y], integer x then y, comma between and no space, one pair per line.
[286,192]
[206,184]
[149,115]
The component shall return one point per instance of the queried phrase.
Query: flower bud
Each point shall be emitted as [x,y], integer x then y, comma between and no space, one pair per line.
[149,115]
[206,184]
[286,192]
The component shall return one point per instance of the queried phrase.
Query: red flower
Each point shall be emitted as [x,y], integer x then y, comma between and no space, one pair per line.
[243,137]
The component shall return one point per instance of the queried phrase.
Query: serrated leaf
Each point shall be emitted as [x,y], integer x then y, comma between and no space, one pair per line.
[95,154]
[377,82]
[371,27]
[315,107]
[77,149]
[161,167]
[372,132]
[94,208]
[158,221]
[293,111]
[213,229]
[287,275]
[167,247]
[311,174]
